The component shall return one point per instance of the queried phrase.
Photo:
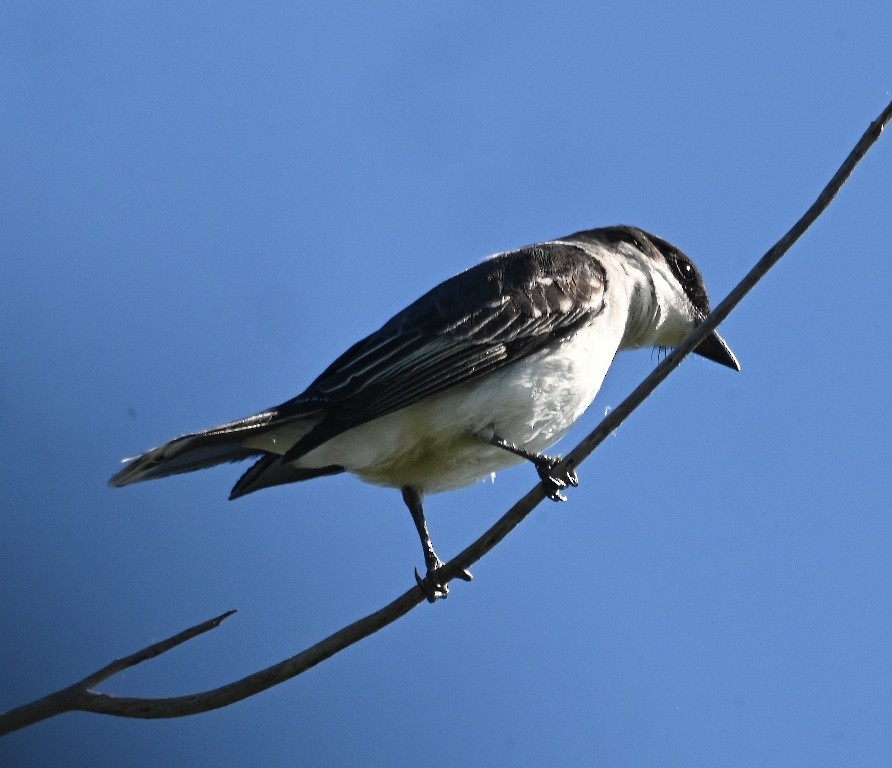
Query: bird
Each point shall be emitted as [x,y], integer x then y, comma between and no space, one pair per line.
[487,370]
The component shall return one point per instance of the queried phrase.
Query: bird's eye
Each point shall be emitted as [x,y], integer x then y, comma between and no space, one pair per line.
[684,270]
[689,279]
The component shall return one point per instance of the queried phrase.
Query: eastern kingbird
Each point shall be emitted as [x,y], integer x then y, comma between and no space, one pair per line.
[486,370]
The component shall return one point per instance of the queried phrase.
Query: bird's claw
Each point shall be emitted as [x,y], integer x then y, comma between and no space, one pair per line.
[552,482]
[432,587]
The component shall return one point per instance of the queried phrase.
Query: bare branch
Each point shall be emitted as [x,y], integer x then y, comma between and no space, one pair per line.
[80,697]
[119,665]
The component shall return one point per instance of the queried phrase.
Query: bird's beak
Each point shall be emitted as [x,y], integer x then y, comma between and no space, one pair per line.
[714,348]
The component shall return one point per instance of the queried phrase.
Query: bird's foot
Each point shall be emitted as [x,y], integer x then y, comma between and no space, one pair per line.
[553,482]
[433,588]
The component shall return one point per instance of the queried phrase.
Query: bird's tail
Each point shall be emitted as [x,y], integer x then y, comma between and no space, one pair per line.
[235,441]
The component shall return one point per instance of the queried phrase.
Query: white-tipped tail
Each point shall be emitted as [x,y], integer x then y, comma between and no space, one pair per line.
[235,441]
[184,454]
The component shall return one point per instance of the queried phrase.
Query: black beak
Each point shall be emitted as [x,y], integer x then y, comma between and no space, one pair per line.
[714,348]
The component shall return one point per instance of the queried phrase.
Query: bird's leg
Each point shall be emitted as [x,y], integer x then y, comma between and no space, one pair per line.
[432,588]
[545,465]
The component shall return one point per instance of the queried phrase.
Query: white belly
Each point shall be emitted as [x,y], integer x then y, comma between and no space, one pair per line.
[434,444]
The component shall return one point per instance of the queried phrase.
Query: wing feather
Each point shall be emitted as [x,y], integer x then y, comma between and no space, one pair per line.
[472,324]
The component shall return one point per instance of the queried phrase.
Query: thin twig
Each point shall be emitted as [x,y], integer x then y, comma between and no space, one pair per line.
[119,665]
[80,696]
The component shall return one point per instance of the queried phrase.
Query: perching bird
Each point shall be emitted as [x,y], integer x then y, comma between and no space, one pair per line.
[486,370]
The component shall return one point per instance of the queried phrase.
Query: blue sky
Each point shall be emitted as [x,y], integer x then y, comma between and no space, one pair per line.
[204,204]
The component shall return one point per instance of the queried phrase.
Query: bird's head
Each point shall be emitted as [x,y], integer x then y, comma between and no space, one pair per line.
[688,278]
[678,300]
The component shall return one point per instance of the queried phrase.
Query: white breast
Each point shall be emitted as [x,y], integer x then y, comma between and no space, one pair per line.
[434,444]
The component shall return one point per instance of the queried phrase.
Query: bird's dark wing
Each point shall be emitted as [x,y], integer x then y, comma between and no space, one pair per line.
[472,324]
